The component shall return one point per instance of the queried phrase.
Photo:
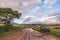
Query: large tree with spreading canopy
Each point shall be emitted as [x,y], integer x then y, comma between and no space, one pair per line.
[9,15]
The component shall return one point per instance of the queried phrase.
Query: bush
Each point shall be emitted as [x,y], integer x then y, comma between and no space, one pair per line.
[44,30]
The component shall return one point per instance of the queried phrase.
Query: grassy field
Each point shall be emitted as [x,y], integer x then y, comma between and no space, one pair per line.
[55,30]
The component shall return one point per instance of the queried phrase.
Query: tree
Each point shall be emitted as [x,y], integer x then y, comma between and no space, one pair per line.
[9,15]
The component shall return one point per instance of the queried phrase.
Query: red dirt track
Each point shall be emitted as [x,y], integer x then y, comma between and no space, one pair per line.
[28,34]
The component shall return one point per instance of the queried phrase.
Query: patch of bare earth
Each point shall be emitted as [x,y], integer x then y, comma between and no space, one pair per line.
[28,34]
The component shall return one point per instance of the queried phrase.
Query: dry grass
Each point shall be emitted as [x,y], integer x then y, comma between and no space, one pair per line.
[54,28]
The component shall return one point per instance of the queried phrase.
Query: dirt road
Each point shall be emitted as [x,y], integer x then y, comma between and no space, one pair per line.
[28,34]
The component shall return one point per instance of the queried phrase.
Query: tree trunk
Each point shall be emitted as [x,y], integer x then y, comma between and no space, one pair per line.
[6,25]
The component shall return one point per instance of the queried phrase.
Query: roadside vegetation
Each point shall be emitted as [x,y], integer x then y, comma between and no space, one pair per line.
[37,28]
[14,28]
[54,30]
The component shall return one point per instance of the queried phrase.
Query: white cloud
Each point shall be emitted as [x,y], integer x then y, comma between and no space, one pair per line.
[9,3]
[50,2]
[47,4]
[53,18]
[35,9]
[30,20]
[20,5]
[23,5]
[28,3]
[48,20]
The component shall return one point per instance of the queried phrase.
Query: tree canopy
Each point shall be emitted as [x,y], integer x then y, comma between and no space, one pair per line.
[9,13]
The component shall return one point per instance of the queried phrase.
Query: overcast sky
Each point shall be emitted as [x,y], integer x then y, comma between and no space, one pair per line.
[35,11]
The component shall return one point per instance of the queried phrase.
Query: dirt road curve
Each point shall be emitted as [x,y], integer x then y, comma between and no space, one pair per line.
[28,34]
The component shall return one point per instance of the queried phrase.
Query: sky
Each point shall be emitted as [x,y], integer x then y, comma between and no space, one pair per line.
[35,11]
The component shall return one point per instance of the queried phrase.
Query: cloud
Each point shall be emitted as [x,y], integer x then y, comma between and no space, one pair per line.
[9,3]
[50,2]
[20,5]
[30,20]
[53,18]
[57,14]
[47,4]
[35,9]
[48,20]
[26,3]
[24,6]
